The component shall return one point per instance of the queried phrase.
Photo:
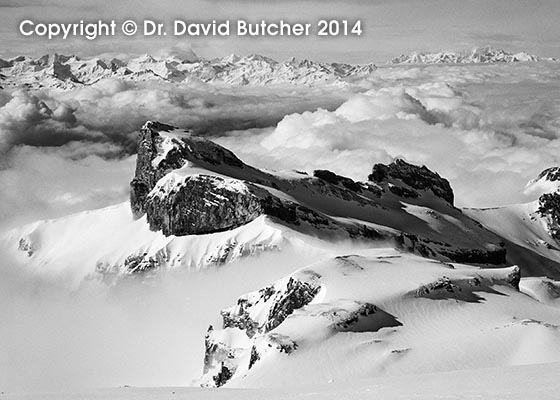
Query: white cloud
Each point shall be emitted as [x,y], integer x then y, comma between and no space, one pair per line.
[486,152]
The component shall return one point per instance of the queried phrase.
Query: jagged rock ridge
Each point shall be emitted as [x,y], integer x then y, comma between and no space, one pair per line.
[415,177]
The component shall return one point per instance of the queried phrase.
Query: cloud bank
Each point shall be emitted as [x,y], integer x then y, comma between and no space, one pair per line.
[66,151]
[487,129]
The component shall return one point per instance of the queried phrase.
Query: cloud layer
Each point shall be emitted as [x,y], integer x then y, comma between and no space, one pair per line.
[65,151]
[488,129]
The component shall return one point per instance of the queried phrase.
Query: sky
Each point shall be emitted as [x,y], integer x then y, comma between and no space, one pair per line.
[390,27]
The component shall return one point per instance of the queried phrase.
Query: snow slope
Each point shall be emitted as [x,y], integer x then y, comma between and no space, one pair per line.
[524,225]
[380,312]
[519,224]
[107,243]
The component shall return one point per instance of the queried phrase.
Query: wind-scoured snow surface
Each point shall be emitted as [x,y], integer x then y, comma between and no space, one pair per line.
[70,148]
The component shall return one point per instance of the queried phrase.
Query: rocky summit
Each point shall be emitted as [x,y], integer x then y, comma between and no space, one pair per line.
[188,185]
[549,208]
[194,204]
[415,177]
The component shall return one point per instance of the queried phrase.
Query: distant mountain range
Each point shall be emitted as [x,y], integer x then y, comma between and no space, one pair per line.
[66,72]
[479,55]
[72,71]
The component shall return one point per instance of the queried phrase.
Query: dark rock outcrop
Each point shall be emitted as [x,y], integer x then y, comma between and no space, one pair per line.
[549,208]
[283,301]
[280,300]
[146,174]
[335,179]
[491,255]
[496,256]
[152,165]
[202,204]
[404,192]
[26,246]
[5,64]
[297,295]
[550,174]
[420,178]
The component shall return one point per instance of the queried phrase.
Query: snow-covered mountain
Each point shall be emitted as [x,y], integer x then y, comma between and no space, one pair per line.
[195,204]
[477,55]
[378,312]
[65,72]
[70,71]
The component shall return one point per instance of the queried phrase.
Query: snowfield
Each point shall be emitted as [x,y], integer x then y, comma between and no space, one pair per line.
[537,381]
[382,312]
[97,244]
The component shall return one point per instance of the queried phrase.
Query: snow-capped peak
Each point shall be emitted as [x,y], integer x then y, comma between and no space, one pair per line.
[66,72]
[548,181]
[478,55]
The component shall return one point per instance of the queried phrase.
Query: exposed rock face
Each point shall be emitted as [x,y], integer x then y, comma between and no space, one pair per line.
[26,246]
[464,289]
[420,178]
[549,208]
[550,174]
[140,263]
[335,179]
[202,204]
[490,255]
[146,175]
[159,154]
[280,300]
[549,203]
[256,314]
[494,256]
[63,72]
